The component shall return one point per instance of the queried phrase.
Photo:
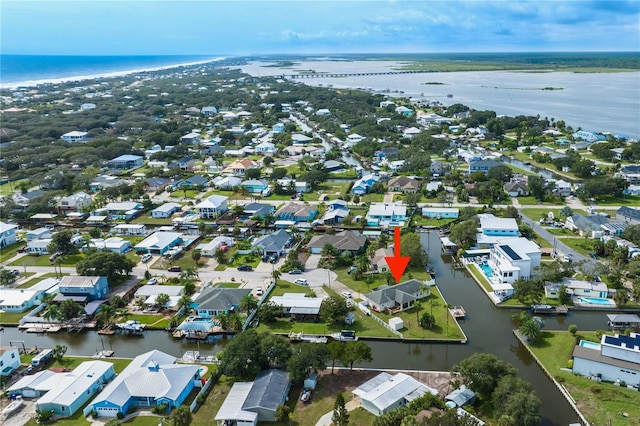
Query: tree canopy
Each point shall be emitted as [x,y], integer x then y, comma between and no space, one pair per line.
[105,263]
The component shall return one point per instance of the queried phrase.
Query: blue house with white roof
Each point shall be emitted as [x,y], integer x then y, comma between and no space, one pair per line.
[362,185]
[151,379]
[159,242]
[126,162]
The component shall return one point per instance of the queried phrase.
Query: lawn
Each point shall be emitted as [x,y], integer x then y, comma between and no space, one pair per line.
[146,318]
[31,282]
[609,200]
[479,276]
[228,285]
[601,403]
[12,317]
[418,220]
[541,241]
[148,220]
[8,252]
[378,279]
[559,231]
[71,362]
[445,327]
[372,198]
[9,187]
[207,411]
[536,213]
[189,193]
[67,261]
[530,200]
[579,244]
[283,287]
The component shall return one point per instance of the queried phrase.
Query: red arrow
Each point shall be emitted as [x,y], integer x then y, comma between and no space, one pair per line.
[397,264]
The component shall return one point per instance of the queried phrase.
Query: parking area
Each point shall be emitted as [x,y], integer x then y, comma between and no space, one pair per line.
[20,417]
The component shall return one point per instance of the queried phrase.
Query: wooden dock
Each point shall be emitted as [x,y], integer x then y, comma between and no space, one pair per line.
[457,312]
[549,309]
[103,354]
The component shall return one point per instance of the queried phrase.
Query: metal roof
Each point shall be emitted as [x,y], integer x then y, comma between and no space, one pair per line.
[231,408]
[269,390]
[72,385]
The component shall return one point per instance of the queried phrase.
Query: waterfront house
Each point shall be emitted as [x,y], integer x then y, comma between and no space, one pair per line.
[461,396]
[440,212]
[75,136]
[159,242]
[130,229]
[193,182]
[351,241]
[482,166]
[122,210]
[616,359]
[297,212]
[82,288]
[384,215]
[298,306]
[7,234]
[386,392]
[75,202]
[212,302]
[492,228]
[397,298]
[250,402]
[68,391]
[166,210]
[513,258]
[336,211]
[582,288]
[126,161]
[212,206]
[274,243]
[334,166]
[151,379]
[362,185]
[20,299]
[9,360]
[628,215]
[404,184]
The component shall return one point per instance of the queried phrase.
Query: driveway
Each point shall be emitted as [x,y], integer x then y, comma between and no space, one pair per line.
[22,416]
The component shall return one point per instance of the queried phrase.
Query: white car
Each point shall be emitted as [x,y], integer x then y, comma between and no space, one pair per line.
[152,281]
[301,281]
[346,294]
[146,257]
[259,291]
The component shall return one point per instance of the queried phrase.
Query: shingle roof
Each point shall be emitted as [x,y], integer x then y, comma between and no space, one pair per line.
[628,212]
[345,240]
[268,391]
[221,299]
[272,242]
[400,293]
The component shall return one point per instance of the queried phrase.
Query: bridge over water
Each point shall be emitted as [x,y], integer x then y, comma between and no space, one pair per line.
[354,74]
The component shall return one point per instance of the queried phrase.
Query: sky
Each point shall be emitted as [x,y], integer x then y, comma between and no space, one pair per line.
[242,27]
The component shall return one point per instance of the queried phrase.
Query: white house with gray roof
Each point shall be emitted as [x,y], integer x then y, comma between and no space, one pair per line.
[386,392]
[212,206]
[213,301]
[274,243]
[398,297]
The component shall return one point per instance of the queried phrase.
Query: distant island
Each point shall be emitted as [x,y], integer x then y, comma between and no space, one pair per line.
[524,88]
[434,83]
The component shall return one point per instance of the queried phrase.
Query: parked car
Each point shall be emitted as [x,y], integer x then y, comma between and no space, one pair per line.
[273,258]
[245,268]
[258,291]
[301,281]
[153,281]
[351,269]
[146,257]
[54,256]
[593,255]
[346,294]
[175,269]
[295,272]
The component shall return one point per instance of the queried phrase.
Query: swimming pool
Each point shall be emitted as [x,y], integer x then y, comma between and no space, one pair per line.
[596,301]
[486,269]
[590,345]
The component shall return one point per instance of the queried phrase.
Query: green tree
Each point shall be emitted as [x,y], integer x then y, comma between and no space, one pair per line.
[276,350]
[181,416]
[248,303]
[104,263]
[482,371]
[70,309]
[519,406]
[530,329]
[282,413]
[340,415]
[427,321]
[162,299]
[411,246]
[221,256]
[357,351]
[58,352]
[563,295]
[336,350]
[106,314]
[464,233]
[333,309]
[196,255]
[62,242]
[621,297]
[307,357]
[242,356]
[528,291]
[573,329]
[269,312]
[52,313]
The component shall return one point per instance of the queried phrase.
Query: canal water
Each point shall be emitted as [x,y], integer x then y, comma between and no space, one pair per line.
[488,329]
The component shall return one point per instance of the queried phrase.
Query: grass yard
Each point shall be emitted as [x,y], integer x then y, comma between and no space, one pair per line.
[418,220]
[442,315]
[208,410]
[283,287]
[68,260]
[143,421]
[541,241]
[609,200]
[530,200]
[378,279]
[148,220]
[372,198]
[579,244]
[31,282]
[228,285]
[146,318]
[72,362]
[189,193]
[12,317]
[536,213]
[8,252]
[599,402]
[559,231]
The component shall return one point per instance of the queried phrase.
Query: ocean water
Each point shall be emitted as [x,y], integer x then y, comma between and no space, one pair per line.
[29,68]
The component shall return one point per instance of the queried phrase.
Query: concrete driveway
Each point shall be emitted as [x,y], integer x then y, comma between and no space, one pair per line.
[22,416]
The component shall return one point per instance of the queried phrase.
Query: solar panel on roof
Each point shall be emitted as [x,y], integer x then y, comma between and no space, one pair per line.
[512,254]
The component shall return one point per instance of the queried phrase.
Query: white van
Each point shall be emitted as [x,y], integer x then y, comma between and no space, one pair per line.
[42,357]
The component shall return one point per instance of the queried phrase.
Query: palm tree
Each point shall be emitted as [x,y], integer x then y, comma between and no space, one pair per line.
[276,274]
[188,273]
[57,262]
[106,315]
[418,305]
[185,301]
[530,329]
[223,319]
[362,263]
[248,303]
[234,322]
[446,311]
[52,313]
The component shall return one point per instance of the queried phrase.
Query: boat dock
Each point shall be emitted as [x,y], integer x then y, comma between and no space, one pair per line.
[40,327]
[103,354]
[457,312]
[550,309]
[109,330]
[131,327]
[299,337]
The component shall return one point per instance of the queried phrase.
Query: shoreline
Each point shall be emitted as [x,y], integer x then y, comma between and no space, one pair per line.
[110,74]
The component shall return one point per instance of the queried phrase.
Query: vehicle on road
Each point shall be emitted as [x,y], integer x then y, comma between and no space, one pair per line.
[295,272]
[175,269]
[346,294]
[245,268]
[258,291]
[301,281]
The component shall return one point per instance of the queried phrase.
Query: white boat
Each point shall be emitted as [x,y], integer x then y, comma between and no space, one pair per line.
[13,406]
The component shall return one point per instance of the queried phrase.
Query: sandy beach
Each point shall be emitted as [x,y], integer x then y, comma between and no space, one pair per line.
[32,83]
